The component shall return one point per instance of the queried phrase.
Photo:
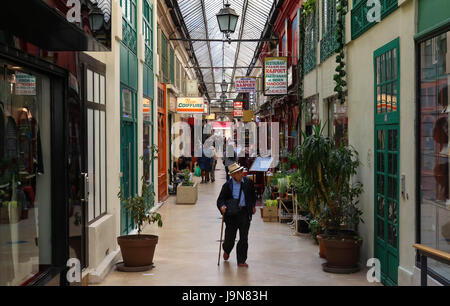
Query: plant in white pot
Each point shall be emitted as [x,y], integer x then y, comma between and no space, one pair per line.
[187,192]
[138,250]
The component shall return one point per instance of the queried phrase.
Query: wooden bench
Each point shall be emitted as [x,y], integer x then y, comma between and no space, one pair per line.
[426,252]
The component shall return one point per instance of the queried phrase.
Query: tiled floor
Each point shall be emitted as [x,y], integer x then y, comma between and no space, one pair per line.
[188,248]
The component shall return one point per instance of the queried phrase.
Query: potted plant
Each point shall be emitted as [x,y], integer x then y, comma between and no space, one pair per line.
[333,199]
[187,192]
[138,250]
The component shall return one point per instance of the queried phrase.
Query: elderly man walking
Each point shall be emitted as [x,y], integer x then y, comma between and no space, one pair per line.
[237,201]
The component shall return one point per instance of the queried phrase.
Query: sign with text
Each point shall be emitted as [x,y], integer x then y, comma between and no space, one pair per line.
[245,84]
[221,125]
[275,76]
[190,105]
[25,84]
[238,109]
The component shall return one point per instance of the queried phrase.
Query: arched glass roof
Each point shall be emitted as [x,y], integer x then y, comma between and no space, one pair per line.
[201,22]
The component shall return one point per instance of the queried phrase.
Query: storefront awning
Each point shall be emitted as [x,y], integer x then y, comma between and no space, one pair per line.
[45,27]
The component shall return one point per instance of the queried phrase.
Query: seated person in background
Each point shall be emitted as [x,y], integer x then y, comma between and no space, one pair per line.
[183,163]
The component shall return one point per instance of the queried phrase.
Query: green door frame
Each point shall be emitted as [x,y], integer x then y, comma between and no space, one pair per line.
[386,61]
[128,141]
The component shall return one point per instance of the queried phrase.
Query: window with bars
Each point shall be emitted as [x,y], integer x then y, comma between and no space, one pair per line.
[359,21]
[328,42]
[387,81]
[309,56]
[96,116]
[147,30]
[129,34]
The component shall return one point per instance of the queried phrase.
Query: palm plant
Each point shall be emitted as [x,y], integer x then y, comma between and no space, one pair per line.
[326,172]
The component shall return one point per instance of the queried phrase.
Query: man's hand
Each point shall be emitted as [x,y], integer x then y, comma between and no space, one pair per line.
[223,209]
[254,210]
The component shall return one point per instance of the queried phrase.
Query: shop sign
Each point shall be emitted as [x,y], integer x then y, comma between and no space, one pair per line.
[192,88]
[275,76]
[238,109]
[25,84]
[190,106]
[245,84]
[221,125]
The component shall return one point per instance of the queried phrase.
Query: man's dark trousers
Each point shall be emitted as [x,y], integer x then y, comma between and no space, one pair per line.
[239,222]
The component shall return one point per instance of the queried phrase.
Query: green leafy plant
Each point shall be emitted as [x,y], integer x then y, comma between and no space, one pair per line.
[326,173]
[316,229]
[187,178]
[339,77]
[140,205]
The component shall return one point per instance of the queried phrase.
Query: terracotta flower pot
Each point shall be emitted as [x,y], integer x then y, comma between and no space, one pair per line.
[342,253]
[137,250]
[322,253]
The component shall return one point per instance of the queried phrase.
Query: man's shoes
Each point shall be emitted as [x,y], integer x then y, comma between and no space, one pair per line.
[225,256]
[243,265]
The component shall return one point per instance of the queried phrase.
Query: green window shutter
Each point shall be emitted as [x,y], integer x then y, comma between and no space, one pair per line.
[164,56]
[172,66]
[386,61]
[359,22]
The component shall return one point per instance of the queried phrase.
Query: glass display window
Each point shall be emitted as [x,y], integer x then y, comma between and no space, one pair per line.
[25,174]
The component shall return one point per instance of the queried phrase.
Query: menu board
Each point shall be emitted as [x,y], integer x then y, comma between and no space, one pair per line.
[275,76]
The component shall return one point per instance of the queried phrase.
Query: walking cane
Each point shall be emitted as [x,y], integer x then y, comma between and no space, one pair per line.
[220,241]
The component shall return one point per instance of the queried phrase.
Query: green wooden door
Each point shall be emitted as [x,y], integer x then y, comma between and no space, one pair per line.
[128,155]
[386,201]
[387,159]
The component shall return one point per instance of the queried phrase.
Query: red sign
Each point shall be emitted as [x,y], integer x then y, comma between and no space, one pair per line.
[221,125]
[238,111]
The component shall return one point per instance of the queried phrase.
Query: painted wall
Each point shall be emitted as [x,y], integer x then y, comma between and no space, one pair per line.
[360,78]
[401,23]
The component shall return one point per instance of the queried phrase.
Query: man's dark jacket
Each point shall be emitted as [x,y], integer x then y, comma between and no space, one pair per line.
[248,190]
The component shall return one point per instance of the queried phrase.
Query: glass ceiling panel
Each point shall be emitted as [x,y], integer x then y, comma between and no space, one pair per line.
[201,22]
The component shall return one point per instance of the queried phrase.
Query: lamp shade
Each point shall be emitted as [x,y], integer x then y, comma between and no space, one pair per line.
[227,19]
[96,19]
[224,86]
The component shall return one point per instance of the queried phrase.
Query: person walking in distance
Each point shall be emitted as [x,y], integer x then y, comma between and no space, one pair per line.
[236,202]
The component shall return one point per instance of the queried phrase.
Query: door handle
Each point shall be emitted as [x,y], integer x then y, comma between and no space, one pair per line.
[85,178]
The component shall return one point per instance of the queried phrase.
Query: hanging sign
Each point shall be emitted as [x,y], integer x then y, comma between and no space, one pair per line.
[190,105]
[245,84]
[25,84]
[221,125]
[275,76]
[238,109]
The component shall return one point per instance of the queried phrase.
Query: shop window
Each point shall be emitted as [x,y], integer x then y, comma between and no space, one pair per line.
[96,130]
[311,113]
[434,149]
[147,30]
[337,121]
[25,174]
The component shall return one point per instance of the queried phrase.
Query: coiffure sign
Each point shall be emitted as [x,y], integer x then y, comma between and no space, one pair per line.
[275,76]
[190,106]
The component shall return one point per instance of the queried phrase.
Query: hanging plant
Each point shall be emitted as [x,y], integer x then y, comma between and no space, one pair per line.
[339,77]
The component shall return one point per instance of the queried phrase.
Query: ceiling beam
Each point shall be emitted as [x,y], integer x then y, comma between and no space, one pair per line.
[205,22]
[241,32]
[226,40]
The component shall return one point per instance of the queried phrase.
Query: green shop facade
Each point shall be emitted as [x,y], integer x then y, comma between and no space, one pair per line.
[129,101]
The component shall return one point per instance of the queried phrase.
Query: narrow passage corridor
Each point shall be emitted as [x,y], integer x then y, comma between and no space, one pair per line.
[188,247]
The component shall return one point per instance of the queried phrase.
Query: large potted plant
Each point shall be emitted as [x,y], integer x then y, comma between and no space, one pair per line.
[187,192]
[333,198]
[138,250]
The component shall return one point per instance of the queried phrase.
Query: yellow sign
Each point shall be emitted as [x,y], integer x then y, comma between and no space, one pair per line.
[190,106]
